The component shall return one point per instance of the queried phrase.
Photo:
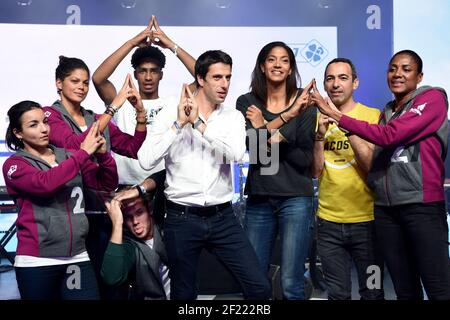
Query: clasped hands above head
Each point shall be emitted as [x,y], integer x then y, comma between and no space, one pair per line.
[152,34]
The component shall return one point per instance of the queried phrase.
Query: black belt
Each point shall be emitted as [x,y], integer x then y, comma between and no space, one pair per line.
[199,211]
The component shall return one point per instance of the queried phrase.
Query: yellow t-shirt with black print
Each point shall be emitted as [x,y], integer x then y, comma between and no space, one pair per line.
[344,196]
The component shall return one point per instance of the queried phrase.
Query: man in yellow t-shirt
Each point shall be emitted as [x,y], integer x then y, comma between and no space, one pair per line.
[345,223]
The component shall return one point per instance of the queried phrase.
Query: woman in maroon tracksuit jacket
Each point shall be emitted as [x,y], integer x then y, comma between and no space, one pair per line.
[47,184]
[70,122]
[69,119]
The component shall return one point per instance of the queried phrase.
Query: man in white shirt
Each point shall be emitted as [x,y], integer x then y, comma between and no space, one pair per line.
[148,62]
[198,140]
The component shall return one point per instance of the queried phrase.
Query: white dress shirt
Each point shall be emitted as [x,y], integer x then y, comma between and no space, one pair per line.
[129,170]
[198,166]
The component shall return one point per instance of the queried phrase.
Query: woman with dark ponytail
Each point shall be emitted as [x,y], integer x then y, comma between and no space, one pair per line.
[70,122]
[47,185]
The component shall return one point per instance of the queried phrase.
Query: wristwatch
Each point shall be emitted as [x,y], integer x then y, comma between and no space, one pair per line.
[142,191]
[197,123]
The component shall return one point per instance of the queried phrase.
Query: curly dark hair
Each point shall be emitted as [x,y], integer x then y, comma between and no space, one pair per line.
[148,53]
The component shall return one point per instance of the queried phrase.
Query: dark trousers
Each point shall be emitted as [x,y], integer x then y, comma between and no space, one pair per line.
[414,243]
[186,234]
[74,281]
[100,227]
[159,203]
[338,245]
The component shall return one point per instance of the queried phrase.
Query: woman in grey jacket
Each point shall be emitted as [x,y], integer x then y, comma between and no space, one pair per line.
[47,184]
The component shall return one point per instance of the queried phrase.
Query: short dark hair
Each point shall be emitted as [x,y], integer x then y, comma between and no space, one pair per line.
[148,53]
[417,59]
[343,60]
[208,58]
[147,202]
[258,86]
[15,115]
[67,65]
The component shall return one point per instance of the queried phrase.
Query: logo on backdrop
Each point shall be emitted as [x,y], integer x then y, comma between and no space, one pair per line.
[312,52]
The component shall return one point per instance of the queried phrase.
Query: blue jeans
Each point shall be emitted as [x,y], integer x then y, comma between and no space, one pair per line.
[340,243]
[414,242]
[58,282]
[185,235]
[292,219]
